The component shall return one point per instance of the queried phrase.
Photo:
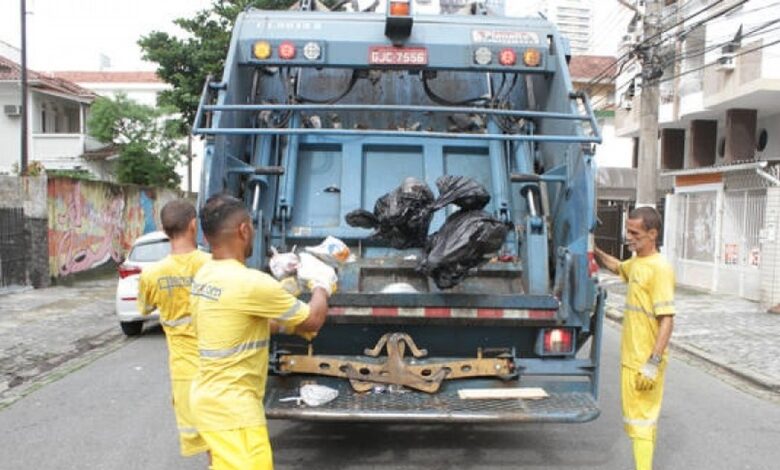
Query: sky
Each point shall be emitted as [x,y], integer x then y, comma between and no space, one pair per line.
[73,34]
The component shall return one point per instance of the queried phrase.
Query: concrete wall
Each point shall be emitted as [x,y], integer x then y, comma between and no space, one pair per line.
[93,223]
[770,251]
[29,195]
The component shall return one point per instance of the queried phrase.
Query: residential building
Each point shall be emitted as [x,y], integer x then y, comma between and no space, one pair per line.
[58,108]
[596,76]
[144,88]
[719,140]
[574,18]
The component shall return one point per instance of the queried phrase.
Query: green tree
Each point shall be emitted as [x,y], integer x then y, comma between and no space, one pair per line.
[186,62]
[147,139]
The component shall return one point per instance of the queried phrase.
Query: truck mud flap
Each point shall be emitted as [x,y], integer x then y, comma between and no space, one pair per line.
[411,406]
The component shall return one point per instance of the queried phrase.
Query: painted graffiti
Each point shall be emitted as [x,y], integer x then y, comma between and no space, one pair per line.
[91,223]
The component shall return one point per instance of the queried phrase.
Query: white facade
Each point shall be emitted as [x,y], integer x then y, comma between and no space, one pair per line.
[574,18]
[144,88]
[56,122]
[721,93]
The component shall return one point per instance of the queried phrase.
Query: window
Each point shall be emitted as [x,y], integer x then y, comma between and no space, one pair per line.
[763,140]
[149,252]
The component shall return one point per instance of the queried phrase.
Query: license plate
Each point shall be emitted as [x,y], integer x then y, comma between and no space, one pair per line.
[387,55]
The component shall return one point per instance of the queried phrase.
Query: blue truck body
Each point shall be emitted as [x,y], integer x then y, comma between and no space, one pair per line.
[356,109]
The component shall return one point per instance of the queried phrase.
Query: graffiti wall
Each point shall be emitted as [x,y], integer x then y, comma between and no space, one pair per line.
[92,223]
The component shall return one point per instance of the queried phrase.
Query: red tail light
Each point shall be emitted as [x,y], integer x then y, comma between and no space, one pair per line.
[507,57]
[287,50]
[126,270]
[593,266]
[558,341]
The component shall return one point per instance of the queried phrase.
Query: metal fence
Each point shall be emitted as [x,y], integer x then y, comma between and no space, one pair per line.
[13,247]
[743,219]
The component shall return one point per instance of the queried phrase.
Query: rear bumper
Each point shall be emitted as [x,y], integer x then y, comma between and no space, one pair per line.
[410,406]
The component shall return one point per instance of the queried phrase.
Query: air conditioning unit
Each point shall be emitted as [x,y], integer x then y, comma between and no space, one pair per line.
[726,62]
[12,110]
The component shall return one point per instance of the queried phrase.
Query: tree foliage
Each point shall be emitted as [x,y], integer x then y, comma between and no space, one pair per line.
[186,62]
[147,139]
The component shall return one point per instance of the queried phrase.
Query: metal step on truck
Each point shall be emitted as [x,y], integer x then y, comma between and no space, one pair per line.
[320,113]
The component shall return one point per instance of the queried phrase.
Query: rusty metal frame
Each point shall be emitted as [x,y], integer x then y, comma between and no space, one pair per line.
[423,375]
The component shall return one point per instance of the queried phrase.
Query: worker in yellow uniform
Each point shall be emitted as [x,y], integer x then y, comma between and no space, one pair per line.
[166,286]
[648,320]
[234,307]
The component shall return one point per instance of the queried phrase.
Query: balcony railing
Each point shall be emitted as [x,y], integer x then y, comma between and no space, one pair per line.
[54,150]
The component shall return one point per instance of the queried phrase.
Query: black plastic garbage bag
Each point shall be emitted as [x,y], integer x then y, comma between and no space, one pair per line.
[462,191]
[401,217]
[462,243]
[362,218]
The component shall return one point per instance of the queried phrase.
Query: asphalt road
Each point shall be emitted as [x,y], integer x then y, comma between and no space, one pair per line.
[115,413]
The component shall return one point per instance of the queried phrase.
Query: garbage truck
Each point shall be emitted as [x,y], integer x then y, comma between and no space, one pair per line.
[320,113]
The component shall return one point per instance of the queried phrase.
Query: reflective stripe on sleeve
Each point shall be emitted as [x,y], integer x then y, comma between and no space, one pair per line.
[638,309]
[188,431]
[221,353]
[291,311]
[178,322]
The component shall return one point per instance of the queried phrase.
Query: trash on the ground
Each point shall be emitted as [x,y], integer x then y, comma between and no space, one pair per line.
[332,251]
[410,257]
[466,240]
[378,388]
[401,217]
[399,288]
[313,395]
[525,393]
[283,265]
[464,192]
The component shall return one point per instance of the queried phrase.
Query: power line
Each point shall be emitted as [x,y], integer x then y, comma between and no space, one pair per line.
[716,63]
[644,42]
[761,29]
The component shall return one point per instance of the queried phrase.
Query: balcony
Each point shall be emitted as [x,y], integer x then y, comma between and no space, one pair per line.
[749,80]
[58,151]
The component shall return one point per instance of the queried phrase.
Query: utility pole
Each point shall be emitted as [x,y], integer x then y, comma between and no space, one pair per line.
[23,161]
[648,108]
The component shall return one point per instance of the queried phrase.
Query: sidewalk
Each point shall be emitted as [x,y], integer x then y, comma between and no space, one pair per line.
[731,333]
[43,331]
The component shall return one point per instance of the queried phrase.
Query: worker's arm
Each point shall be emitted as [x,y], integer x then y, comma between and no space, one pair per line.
[145,302]
[607,260]
[665,326]
[318,311]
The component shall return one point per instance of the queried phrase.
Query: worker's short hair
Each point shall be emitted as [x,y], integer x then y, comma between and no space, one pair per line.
[650,217]
[219,212]
[176,216]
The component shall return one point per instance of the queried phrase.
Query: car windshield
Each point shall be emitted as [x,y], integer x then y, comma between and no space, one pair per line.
[153,251]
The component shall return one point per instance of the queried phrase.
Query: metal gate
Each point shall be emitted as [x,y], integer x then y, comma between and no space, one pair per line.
[609,231]
[716,239]
[13,247]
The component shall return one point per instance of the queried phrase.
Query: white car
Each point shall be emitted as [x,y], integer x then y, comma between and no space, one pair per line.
[146,250]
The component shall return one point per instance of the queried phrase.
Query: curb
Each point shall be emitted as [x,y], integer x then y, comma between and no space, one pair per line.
[758,380]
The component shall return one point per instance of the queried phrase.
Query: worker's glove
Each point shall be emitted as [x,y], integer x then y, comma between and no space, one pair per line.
[307,335]
[645,378]
[314,273]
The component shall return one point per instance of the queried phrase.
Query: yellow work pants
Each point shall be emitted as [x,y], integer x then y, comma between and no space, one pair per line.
[240,449]
[190,442]
[640,414]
